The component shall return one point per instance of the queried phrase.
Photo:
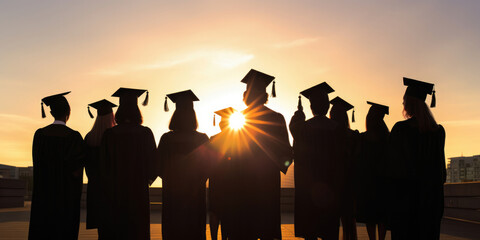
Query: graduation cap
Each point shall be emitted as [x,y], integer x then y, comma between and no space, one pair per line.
[224,113]
[53,100]
[344,105]
[319,89]
[130,95]
[419,89]
[379,107]
[103,107]
[259,81]
[182,100]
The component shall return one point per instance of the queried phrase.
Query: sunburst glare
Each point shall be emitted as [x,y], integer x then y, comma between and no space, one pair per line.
[236,120]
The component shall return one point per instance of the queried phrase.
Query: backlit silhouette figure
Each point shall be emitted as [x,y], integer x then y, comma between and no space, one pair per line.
[221,179]
[371,182]
[349,151]
[127,155]
[318,170]
[184,167]
[105,120]
[417,167]
[57,175]
[265,152]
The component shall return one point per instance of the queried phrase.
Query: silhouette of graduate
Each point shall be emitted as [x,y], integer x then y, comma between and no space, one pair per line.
[221,179]
[317,167]
[105,120]
[58,154]
[184,167]
[349,150]
[265,153]
[126,170]
[371,182]
[416,166]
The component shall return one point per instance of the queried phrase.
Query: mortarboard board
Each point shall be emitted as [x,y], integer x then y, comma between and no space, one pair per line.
[317,89]
[103,107]
[381,108]
[224,113]
[130,95]
[259,81]
[322,88]
[419,89]
[344,105]
[52,100]
[183,99]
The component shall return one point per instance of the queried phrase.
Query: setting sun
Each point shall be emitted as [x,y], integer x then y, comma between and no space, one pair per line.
[237,120]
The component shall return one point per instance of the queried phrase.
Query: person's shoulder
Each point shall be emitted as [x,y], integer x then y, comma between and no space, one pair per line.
[441,130]
[201,136]
[146,129]
[273,113]
[401,124]
[322,121]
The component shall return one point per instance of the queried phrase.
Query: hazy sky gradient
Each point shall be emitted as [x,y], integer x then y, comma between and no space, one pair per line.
[361,48]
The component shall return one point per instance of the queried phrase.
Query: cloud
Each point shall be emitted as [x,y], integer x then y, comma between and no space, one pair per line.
[461,123]
[222,58]
[107,73]
[231,59]
[169,63]
[16,123]
[296,43]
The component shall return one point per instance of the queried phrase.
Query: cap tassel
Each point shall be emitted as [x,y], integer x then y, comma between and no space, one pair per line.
[299,106]
[43,112]
[274,93]
[214,120]
[145,102]
[353,116]
[165,105]
[90,113]
[434,100]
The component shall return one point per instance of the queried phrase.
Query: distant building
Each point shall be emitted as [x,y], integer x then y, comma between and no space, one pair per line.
[7,171]
[463,169]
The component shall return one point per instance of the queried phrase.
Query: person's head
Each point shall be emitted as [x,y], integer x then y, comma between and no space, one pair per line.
[60,110]
[338,113]
[414,105]
[375,123]
[183,120]
[319,104]
[223,124]
[416,108]
[102,123]
[340,116]
[128,113]
[257,83]
[318,97]
[255,98]
[59,107]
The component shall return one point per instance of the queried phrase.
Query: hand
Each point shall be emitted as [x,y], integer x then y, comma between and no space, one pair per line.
[298,116]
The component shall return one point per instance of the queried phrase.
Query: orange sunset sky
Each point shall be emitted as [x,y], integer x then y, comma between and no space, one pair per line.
[361,48]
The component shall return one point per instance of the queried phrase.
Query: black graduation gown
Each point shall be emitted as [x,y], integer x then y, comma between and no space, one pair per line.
[127,155]
[219,180]
[184,165]
[349,152]
[57,183]
[94,191]
[264,152]
[318,177]
[371,178]
[416,165]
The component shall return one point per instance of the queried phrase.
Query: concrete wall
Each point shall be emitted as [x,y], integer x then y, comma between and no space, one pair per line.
[462,201]
[12,193]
